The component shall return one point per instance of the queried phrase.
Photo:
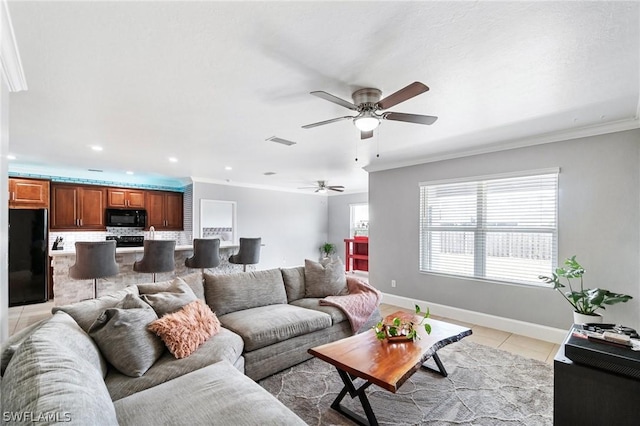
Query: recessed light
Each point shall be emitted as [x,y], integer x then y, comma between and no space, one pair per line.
[173,159]
[129,172]
[228,168]
[96,148]
[11,157]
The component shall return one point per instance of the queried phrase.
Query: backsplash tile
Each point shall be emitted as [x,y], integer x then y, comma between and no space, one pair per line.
[69,238]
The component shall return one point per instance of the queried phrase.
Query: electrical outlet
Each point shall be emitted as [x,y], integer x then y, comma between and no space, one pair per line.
[393,283]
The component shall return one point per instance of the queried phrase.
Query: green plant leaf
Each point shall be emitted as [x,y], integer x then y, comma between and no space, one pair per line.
[393,331]
[427,328]
[397,322]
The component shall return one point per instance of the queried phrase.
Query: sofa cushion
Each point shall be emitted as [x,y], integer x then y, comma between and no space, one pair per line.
[195,281]
[215,395]
[293,282]
[57,370]
[170,299]
[123,337]
[224,346]
[244,290]
[11,345]
[337,315]
[266,325]
[324,279]
[86,312]
[185,330]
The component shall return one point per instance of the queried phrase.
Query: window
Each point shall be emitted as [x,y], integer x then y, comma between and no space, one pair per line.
[359,220]
[500,228]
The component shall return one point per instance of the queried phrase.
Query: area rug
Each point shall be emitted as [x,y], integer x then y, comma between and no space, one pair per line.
[485,386]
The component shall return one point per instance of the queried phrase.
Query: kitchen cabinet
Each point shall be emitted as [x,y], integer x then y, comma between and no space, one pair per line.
[164,210]
[125,198]
[77,207]
[28,193]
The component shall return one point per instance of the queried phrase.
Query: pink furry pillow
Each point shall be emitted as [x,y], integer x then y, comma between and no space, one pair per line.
[185,330]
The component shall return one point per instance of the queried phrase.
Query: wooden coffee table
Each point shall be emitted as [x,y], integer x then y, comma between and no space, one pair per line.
[383,363]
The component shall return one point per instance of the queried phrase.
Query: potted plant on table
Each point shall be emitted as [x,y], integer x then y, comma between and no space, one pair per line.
[403,328]
[327,249]
[584,301]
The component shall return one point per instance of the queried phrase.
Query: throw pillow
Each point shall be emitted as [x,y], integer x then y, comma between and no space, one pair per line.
[168,298]
[123,338]
[324,279]
[185,330]
[194,280]
[86,312]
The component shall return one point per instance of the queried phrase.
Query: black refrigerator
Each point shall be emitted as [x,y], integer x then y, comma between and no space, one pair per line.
[28,256]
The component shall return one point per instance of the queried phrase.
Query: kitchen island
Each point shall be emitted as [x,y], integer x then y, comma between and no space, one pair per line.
[68,290]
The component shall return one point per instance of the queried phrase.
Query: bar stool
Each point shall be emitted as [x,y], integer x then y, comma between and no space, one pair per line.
[206,254]
[158,256]
[94,260]
[248,253]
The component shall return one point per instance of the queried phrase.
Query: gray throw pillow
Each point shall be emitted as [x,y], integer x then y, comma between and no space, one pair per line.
[194,280]
[324,279]
[86,312]
[170,298]
[123,338]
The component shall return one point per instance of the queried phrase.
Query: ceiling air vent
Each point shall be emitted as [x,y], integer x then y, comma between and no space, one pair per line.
[280,140]
[269,173]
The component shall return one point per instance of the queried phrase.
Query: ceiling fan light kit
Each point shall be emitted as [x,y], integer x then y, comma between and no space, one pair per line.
[368,104]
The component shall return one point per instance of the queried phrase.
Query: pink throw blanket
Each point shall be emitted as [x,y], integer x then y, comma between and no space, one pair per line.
[358,305]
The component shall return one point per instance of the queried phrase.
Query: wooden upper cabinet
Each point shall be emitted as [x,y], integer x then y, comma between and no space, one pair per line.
[28,193]
[125,198]
[77,207]
[164,210]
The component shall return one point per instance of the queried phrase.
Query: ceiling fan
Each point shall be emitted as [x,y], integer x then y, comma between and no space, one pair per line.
[323,187]
[367,103]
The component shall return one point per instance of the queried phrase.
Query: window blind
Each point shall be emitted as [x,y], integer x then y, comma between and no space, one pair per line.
[502,229]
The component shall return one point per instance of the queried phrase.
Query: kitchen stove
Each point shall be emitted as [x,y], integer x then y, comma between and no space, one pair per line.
[127,240]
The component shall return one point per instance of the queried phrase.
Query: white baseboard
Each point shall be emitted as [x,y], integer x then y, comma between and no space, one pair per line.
[535,331]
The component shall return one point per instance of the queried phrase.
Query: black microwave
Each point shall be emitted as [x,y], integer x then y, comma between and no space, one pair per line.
[127,218]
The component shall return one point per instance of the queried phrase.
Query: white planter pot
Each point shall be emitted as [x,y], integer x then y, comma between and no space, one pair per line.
[579,318]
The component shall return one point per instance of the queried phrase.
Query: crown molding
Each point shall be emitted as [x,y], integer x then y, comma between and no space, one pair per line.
[10,63]
[559,136]
[254,186]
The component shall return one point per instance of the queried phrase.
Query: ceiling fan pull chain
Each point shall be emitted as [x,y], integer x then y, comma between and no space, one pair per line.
[356,150]
[378,143]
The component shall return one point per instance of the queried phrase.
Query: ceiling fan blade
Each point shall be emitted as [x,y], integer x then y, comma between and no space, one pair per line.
[414,89]
[366,135]
[322,123]
[410,118]
[336,100]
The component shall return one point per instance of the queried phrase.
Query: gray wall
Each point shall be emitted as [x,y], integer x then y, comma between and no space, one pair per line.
[340,217]
[292,226]
[4,217]
[599,216]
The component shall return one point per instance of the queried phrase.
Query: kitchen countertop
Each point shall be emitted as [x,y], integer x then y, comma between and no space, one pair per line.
[65,252]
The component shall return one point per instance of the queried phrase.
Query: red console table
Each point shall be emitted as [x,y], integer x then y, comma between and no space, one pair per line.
[356,253]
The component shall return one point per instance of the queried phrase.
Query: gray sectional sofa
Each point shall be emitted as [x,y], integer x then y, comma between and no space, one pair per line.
[56,371]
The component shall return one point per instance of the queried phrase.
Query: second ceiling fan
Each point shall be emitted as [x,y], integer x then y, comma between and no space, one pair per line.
[368,105]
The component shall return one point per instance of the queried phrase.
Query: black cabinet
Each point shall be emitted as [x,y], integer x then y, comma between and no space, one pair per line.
[585,395]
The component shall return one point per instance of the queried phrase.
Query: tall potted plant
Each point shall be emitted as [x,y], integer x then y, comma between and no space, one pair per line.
[584,301]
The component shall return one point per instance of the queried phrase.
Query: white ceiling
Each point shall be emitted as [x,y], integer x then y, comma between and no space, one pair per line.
[208,82]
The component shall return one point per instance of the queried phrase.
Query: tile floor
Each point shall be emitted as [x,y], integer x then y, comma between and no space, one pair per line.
[23,316]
